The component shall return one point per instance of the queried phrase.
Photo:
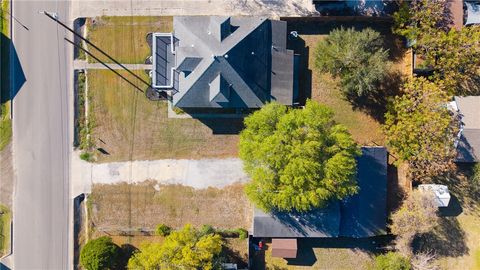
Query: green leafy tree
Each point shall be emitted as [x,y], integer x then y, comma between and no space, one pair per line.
[100,254]
[163,230]
[418,214]
[420,129]
[298,159]
[391,261]
[186,249]
[356,57]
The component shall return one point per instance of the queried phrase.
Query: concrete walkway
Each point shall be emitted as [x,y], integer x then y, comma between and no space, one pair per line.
[82,64]
[269,8]
[195,173]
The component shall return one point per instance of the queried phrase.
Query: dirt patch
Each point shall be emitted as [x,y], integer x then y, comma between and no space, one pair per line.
[143,206]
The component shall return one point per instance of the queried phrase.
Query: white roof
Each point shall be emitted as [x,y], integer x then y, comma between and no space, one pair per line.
[442,195]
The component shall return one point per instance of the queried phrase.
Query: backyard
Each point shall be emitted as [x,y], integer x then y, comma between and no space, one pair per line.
[125,38]
[128,126]
[362,120]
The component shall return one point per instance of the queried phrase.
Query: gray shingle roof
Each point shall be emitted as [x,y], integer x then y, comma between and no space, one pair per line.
[248,52]
[362,215]
[468,148]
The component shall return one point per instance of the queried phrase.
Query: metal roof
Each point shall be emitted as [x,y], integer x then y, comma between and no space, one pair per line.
[362,215]
[473,13]
[284,248]
[249,53]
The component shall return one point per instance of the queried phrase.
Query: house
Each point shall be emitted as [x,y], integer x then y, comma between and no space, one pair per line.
[359,216]
[214,62]
[468,141]
[472,13]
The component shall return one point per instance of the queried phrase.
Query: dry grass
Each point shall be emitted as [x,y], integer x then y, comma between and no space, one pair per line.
[124,38]
[124,206]
[326,258]
[128,126]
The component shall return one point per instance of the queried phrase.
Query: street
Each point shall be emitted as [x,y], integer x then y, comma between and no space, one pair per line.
[41,141]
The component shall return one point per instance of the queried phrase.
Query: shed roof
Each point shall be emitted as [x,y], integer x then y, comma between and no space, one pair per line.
[362,215]
[284,248]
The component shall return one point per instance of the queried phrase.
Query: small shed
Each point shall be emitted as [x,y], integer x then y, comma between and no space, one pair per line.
[441,193]
[284,248]
[473,13]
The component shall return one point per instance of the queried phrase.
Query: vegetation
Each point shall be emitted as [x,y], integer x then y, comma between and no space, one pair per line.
[391,261]
[452,53]
[5,121]
[417,215]
[100,253]
[183,249]
[475,178]
[163,230]
[5,219]
[421,130]
[124,37]
[357,57]
[298,159]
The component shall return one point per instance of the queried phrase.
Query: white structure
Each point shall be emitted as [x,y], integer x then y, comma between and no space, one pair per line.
[441,193]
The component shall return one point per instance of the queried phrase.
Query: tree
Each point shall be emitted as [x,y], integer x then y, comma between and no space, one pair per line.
[184,249]
[453,54]
[163,230]
[391,261]
[356,57]
[100,254]
[421,130]
[418,214]
[298,159]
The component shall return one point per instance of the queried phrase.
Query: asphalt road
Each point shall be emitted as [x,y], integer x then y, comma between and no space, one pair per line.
[41,128]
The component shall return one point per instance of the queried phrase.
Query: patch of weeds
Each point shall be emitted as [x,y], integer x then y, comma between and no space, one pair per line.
[5,125]
[163,230]
[177,110]
[87,156]
[84,124]
[4,229]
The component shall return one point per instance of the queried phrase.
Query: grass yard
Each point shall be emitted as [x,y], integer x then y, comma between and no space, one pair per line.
[143,206]
[5,121]
[311,256]
[5,218]
[456,239]
[364,126]
[124,38]
[129,126]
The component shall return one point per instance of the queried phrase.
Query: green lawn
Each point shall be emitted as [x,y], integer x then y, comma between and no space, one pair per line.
[124,38]
[129,126]
[4,229]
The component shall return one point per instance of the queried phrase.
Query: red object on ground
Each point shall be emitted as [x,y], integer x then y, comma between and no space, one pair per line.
[260,245]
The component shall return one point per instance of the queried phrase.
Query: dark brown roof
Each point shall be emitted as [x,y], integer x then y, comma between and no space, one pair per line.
[284,248]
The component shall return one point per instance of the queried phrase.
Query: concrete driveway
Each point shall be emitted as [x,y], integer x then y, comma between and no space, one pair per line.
[201,173]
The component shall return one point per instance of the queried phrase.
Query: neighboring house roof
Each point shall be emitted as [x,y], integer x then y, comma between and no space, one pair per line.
[468,145]
[361,215]
[284,248]
[473,13]
[232,62]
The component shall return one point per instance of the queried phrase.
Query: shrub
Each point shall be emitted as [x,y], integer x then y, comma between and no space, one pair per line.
[163,230]
[242,233]
[99,254]
[207,229]
[391,261]
[87,156]
[475,179]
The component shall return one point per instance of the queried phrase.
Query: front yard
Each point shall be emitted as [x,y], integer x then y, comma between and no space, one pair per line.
[130,213]
[125,38]
[128,126]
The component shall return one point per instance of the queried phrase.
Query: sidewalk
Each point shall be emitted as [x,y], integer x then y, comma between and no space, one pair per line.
[195,173]
[82,64]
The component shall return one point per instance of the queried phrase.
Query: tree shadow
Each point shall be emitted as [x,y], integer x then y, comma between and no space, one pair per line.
[233,256]
[446,240]
[356,8]
[126,251]
[10,68]
[375,103]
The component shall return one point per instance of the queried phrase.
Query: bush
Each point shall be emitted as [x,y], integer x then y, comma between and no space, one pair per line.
[207,229]
[87,156]
[99,254]
[391,261]
[356,57]
[475,179]
[242,233]
[163,230]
